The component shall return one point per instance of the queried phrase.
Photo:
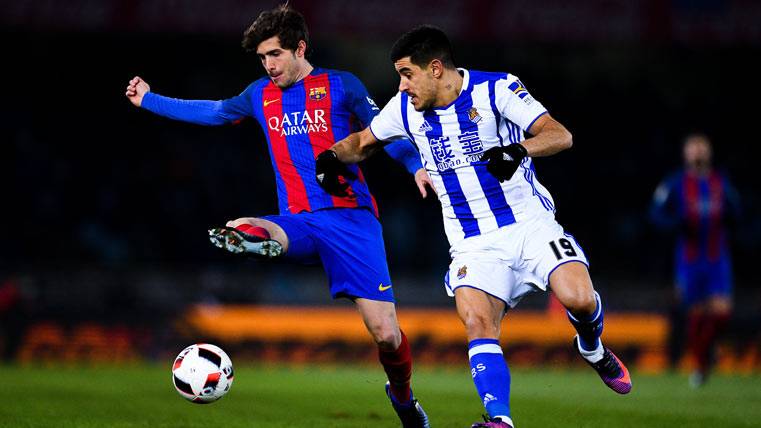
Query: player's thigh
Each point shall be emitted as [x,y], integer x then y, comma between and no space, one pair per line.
[546,250]
[296,230]
[692,284]
[352,250]
[480,312]
[572,286]
[720,287]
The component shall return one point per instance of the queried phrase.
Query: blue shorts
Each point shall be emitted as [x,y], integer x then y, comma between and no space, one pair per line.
[349,242]
[698,281]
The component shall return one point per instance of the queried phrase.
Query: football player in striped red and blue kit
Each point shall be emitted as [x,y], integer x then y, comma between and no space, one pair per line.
[469,127]
[303,111]
[698,203]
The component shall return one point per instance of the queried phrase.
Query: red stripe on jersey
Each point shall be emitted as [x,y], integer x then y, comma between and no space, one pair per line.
[692,206]
[716,197]
[272,106]
[361,178]
[318,97]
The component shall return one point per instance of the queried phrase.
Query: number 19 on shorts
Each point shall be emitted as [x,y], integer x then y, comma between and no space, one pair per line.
[563,248]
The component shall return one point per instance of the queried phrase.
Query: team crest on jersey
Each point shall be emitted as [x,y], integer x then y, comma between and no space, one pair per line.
[318,93]
[425,127]
[462,272]
[474,116]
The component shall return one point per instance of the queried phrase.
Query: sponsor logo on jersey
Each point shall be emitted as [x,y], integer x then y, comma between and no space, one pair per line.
[317,93]
[268,102]
[299,122]
[518,89]
[425,127]
[474,116]
[462,272]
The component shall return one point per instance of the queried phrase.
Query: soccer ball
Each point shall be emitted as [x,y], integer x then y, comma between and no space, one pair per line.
[202,373]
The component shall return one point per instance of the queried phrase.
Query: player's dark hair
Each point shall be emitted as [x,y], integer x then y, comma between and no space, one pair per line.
[423,44]
[285,23]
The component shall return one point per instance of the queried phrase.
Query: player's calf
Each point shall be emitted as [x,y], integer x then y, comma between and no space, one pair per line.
[245,239]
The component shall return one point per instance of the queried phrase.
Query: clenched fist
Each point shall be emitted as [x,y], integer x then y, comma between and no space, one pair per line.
[136,89]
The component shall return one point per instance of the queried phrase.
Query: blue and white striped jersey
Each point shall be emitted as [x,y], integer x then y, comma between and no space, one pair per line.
[493,109]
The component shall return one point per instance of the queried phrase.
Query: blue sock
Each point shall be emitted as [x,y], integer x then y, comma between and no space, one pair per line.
[491,375]
[589,328]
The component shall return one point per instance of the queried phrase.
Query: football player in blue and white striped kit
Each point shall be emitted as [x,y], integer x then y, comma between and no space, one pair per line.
[505,243]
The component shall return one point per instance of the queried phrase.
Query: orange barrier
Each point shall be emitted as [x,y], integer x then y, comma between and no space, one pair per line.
[236,323]
[533,334]
[337,334]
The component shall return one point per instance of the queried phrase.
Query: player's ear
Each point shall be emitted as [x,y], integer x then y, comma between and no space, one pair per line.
[436,67]
[301,49]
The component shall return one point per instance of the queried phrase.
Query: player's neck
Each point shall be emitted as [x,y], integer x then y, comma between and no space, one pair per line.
[699,170]
[306,69]
[450,87]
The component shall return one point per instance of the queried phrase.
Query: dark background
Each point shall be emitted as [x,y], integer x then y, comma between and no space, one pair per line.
[106,206]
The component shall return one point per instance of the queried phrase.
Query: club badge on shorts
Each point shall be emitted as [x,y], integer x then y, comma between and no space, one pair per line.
[462,272]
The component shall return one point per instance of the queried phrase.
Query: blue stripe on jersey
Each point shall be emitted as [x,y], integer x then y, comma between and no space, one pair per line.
[451,182]
[300,149]
[529,176]
[493,102]
[404,103]
[533,174]
[493,191]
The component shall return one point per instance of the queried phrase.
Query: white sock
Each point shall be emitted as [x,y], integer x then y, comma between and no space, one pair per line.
[592,356]
[505,419]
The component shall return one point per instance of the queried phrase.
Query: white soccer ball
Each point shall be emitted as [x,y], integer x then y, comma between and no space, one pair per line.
[202,373]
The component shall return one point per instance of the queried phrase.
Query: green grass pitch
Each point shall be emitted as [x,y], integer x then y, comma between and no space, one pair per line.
[143,396]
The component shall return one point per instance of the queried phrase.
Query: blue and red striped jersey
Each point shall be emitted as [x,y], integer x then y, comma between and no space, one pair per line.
[698,207]
[299,122]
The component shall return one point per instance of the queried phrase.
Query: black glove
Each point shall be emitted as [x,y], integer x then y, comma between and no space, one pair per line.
[504,161]
[332,174]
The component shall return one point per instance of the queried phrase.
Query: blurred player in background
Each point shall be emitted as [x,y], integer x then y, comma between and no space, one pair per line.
[697,203]
[303,110]
[505,243]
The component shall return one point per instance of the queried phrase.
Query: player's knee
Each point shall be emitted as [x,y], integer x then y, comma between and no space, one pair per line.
[479,325]
[386,336]
[580,302]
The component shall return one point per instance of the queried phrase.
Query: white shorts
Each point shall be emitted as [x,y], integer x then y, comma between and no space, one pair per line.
[512,261]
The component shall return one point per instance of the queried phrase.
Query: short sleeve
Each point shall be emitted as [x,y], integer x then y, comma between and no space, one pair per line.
[389,124]
[516,104]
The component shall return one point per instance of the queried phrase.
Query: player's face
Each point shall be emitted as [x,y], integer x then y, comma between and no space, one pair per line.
[697,152]
[417,82]
[282,65]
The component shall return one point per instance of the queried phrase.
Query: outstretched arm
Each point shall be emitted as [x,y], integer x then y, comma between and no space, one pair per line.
[357,147]
[202,112]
